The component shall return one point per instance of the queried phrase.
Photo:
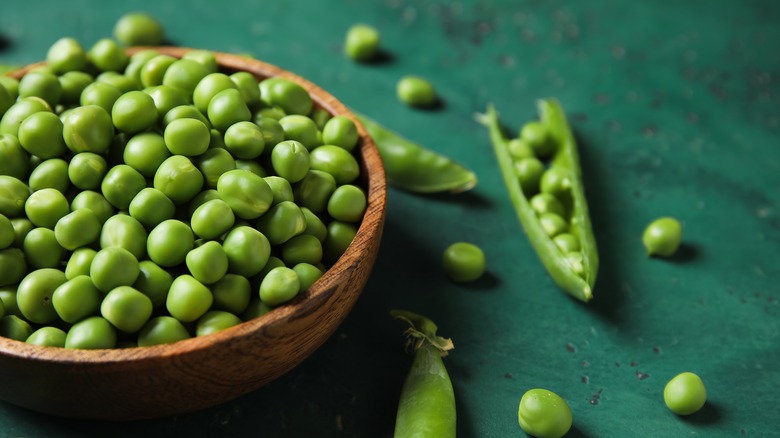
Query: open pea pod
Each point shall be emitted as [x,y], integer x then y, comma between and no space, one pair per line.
[573,271]
[414,168]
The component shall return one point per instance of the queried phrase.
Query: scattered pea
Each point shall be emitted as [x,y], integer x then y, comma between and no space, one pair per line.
[662,237]
[416,91]
[464,262]
[139,29]
[361,42]
[544,414]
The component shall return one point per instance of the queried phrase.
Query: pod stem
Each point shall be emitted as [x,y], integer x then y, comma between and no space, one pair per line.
[422,332]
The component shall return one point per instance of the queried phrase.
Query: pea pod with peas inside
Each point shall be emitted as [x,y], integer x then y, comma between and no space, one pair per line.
[542,197]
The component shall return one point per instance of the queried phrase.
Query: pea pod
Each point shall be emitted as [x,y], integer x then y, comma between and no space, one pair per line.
[574,272]
[427,404]
[414,168]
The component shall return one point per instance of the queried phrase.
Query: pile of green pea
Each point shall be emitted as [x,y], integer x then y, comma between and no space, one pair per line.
[146,199]
[547,188]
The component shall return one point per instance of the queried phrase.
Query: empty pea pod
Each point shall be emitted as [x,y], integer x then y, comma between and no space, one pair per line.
[573,269]
[414,168]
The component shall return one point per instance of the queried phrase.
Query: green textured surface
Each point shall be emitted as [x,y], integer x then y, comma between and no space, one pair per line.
[676,106]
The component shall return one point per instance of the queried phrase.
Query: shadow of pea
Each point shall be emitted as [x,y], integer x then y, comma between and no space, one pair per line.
[709,414]
[686,253]
[5,42]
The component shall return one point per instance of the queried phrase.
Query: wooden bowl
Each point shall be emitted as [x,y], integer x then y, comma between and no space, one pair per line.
[164,380]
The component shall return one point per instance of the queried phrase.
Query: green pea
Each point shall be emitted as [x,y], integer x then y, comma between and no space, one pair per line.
[126,232]
[184,112]
[248,85]
[685,394]
[137,61]
[463,262]
[166,98]
[113,267]
[252,166]
[106,55]
[79,262]
[8,300]
[13,327]
[22,226]
[47,337]
[150,207]
[226,108]
[13,266]
[200,199]
[282,222]
[273,112]
[210,86]
[86,170]
[302,249]
[188,137]
[308,274]
[231,293]
[88,128]
[519,149]
[7,234]
[78,228]
[347,203]
[121,82]
[339,237]
[139,29]
[66,55]
[14,159]
[126,309]
[244,140]
[42,250]
[281,189]
[662,237]
[207,263]
[20,110]
[133,112]
[547,203]
[577,263]
[340,131]
[121,184]
[272,130]
[335,161]
[212,219]
[13,196]
[179,179]
[214,321]
[300,129]
[544,414]
[314,225]
[205,58]
[100,94]
[247,250]
[154,69]
[50,174]
[279,286]
[553,224]
[40,134]
[273,262]
[73,84]
[91,333]
[145,152]
[11,85]
[320,116]
[41,84]
[154,282]
[556,181]
[95,202]
[361,42]
[188,299]
[246,193]
[536,135]
[290,160]
[287,95]
[169,242]
[162,330]
[45,207]
[33,296]
[567,242]
[416,91]
[76,299]
[529,173]
[185,74]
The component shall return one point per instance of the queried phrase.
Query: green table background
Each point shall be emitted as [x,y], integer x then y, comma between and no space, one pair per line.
[676,106]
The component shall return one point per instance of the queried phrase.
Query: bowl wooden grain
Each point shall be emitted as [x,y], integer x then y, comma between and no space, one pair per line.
[164,380]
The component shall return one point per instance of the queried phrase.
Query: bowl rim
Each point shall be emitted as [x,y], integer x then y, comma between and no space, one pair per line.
[369,228]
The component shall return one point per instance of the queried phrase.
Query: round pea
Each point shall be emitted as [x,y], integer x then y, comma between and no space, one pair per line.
[347,203]
[50,174]
[463,262]
[207,263]
[246,193]
[547,203]
[249,87]
[286,94]
[213,163]
[76,299]
[519,149]
[166,98]
[137,61]
[290,160]
[335,161]
[13,266]
[47,337]
[179,179]
[100,94]
[73,84]
[11,85]
[529,172]
[145,152]
[78,228]
[567,242]
[126,309]
[169,242]
[662,237]
[154,69]
[184,112]
[86,170]
[212,219]
[42,250]
[106,55]
[302,249]
[185,74]
[153,281]
[22,226]
[210,86]
[273,112]
[200,199]
[308,274]
[125,232]
[139,29]
[214,321]
[88,128]
[281,189]
[244,140]
[253,166]
[340,131]
[272,130]
[41,84]
[227,108]
[150,207]
[231,293]
[544,414]
[416,91]
[188,137]
[13,327]
[555,181]
[339,237]
[79,262]
[247,250]
[577,263]
[162,330]
[113,267]
[685,394]
[33,296]
[553,224]
[273,262]
[314,225]
[40,134]
[121,184]
[14,159]
[66,55]
[91,333]
[361,42]
[45,207]
[280,285]
[301,129]
[13,196]
[205,58]
[20,110]
[95,202]
[282,222]
[133,112]
[188,299]
[536,135]
[8,300]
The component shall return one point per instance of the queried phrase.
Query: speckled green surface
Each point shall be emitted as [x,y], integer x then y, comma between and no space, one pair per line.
[676,106]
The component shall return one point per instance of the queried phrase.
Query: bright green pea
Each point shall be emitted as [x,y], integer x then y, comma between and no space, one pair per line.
[567,242]
[41,84]
[273,262]
[33,296]
[185,74]
[553,224]
[273,112]
[166,98]
[463,262]
[95,202]
[210,86]
[22,226]
[282,222]
[50,174]
[529,172]
[106,55]
[145,152]
[150,207]
[290,160]
[577,263]
[88,128]
[662,237]
[133,112]
[137,61]
[536,135]
[519,149]
[66,55]
[78,228]
[188,299]
[340,131]
[126,309]
[184,112]
[347,203]
[45,207]
[244,140]
[308,274]
[314,225]
[286,94]
[91,333]
[86,170]
[416,91]
[42,250]
[214,321]
[40,134]
[139,29]
[169,242]
[154,282]
[13,266]
[272,130]
[113,267]
[188,137]
[279,286]
[336,161]
[14,159]
[126,232]
[47,337]
[154,69]
[246,193]
[13,196]
[231,293]
[281,189]
[207,263]
[13,327]
[11,85]
[20,110]
[544,414]
[253,166]
[300,129]
[7,234]
[79,263]
[556,181]
[205,58]
[76,299]
[248,85]
[162,330]
[101,94]
[121,184]
[547,203]
[178,179]
[200,199]
[212,219]
[302,249]
[339,237]
[247,251]
[361,42]
[685,394]
[227,108]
